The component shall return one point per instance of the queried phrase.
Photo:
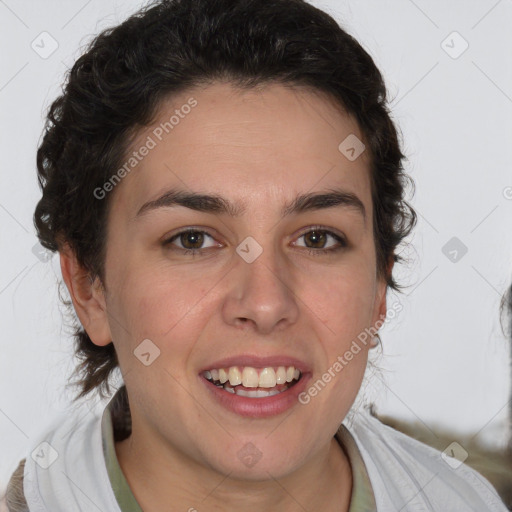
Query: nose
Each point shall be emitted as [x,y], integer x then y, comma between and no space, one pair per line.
[261,296]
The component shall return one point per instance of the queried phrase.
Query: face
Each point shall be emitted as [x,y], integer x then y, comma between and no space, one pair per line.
[259,287]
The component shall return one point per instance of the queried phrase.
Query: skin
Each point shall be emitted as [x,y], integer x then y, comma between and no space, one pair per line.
[262,148]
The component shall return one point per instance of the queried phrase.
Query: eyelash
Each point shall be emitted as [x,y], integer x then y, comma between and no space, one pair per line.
[313,252]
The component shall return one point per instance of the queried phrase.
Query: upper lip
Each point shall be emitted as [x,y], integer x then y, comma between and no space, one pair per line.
[258,362]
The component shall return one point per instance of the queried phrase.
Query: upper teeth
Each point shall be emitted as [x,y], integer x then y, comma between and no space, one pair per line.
[251,377]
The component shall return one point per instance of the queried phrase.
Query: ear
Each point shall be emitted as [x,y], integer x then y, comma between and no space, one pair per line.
[88,298]
[380,296]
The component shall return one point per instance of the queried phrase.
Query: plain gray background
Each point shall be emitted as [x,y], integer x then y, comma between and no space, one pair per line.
[446,361]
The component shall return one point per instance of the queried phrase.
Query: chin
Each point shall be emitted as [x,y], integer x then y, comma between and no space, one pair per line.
[257,461]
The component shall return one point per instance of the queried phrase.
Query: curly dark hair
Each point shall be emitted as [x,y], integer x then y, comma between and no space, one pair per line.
[115,88]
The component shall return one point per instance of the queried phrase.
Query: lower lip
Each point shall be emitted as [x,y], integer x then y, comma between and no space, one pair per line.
[258,407]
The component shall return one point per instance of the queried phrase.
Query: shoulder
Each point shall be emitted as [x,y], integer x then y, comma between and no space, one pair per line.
[403,470]
[14,496]
[55,442]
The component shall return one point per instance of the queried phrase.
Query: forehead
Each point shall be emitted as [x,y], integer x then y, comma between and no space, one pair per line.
[262,144]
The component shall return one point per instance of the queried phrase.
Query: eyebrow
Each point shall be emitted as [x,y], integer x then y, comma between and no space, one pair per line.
[217,204]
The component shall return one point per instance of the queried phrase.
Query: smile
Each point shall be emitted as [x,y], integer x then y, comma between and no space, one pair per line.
[251,382]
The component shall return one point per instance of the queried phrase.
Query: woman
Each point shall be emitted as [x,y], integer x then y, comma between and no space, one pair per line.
[225,188]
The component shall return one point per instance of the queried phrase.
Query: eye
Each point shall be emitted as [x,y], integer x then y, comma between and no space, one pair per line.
[190,241]
[317,237]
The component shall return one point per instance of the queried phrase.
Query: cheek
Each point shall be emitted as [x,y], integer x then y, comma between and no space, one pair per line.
[157,304]
[344,304]
[344,309]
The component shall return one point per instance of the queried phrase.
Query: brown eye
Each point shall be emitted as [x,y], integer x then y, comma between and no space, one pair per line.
[189,241]
[316,241]
[192,239]
[316,238]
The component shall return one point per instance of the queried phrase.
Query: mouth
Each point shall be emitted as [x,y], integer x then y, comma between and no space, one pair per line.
[252,382]
[255,386]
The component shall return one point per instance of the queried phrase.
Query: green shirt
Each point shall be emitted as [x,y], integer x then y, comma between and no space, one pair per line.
[362,499]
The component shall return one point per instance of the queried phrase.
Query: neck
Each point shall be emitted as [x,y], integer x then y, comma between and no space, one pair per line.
[158,477]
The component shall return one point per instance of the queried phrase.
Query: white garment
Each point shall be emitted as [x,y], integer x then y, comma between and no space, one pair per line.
[77,480]
[409,476]
[406,475]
